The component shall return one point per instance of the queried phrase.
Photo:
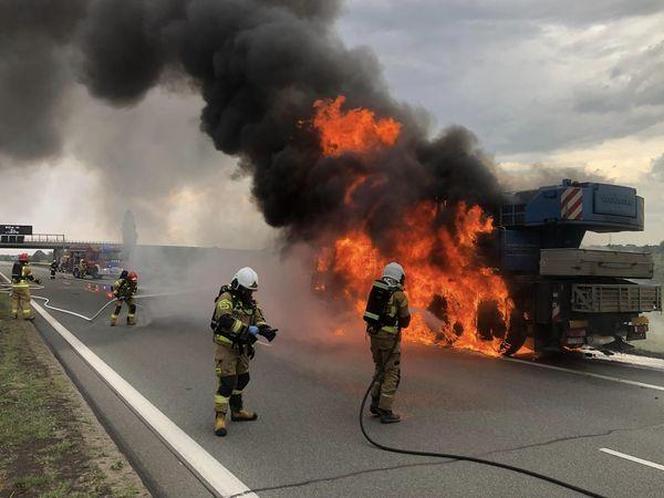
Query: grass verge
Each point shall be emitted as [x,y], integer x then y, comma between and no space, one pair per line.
[50,443]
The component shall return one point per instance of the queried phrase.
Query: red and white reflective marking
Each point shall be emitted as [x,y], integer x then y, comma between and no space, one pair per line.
[571,203]
[555,312]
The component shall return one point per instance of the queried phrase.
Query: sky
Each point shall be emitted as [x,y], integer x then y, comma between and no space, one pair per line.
[543,84]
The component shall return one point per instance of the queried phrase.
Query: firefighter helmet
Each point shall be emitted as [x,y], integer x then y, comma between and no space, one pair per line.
[394,271]
[245,277]
[133,276]
[23,257]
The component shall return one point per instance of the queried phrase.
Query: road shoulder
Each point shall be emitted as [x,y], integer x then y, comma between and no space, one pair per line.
[52,441]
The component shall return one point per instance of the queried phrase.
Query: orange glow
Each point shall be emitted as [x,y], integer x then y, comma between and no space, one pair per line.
[441,262]
[460,280]
[356,130]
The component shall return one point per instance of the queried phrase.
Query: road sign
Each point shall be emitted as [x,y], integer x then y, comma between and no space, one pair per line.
[15,229]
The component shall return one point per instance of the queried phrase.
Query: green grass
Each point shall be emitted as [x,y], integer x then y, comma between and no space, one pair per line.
[42,452]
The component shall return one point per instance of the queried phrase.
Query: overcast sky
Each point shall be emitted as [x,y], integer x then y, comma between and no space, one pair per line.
[559,83]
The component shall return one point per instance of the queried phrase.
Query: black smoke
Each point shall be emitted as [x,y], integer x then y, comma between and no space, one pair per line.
[35,73]
[259,66]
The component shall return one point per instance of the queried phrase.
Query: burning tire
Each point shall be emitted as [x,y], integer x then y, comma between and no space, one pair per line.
[516,335]
[490,321]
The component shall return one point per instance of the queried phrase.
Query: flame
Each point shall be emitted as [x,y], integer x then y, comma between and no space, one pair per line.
[356,130]
[444,272]
[459,280]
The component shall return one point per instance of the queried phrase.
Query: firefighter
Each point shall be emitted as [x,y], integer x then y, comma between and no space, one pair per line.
[21,276]
[384,328]
[124,289]
[236,322]
[54,268]
[82,267]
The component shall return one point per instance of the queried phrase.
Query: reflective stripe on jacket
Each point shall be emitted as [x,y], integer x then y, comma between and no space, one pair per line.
[243,315]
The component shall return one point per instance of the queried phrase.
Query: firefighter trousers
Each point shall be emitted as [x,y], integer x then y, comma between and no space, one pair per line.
[386,352]
[20,301]
[232,371]
[131,314]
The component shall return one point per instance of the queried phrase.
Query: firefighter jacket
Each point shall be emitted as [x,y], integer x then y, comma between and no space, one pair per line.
[124,288]
[397,315]
[232,316]
[20,277]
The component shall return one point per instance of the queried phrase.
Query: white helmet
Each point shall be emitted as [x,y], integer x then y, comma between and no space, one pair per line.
[394,271]
[246,277]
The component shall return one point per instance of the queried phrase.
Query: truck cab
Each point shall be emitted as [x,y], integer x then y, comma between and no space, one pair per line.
[570,296]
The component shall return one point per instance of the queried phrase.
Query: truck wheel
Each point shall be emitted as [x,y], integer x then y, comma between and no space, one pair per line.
[76,273]
[516,335]
[490,321]
[513,342]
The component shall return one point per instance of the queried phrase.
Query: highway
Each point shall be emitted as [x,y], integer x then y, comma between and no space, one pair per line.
[579,422]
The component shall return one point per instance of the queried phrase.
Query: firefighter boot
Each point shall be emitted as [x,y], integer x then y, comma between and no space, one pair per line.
[114,320]
[389,417]
[373,408]
[131,320]
[220,424]
[238,414]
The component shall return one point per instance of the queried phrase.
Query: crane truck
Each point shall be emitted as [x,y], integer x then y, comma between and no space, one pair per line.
[566,296]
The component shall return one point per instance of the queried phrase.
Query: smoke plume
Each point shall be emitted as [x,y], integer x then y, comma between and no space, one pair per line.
[258,65]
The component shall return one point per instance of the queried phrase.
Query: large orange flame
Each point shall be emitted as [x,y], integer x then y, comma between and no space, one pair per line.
[456,276]
[444,273]
[356,130]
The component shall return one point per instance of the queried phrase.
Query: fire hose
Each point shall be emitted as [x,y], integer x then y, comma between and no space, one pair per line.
[451,456]
[6,287]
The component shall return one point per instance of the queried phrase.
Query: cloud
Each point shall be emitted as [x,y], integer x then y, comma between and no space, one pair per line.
[520,73]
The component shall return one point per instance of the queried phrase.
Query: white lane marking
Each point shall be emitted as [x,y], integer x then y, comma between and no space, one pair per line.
[631,458]
[588,374]
[218,478]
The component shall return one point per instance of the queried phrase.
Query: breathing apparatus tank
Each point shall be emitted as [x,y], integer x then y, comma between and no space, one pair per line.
[17,272]
[379,297]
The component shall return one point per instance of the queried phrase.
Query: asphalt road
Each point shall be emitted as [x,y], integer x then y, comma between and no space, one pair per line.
[307,391]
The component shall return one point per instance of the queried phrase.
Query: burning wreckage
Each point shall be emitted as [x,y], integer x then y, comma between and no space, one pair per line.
[487,279]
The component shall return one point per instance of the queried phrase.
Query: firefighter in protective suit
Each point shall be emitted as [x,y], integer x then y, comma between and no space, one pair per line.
[124,290]
[21,276]
[236,322]
[54,268]
[385,334]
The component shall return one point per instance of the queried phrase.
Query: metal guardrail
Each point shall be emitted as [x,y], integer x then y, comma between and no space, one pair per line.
[49,241]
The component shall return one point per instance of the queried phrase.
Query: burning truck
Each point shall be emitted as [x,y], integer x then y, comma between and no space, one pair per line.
[541,286]
[338,164]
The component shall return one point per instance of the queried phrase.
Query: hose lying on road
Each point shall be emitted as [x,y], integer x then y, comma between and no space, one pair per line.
[93,317]
[6,288]
[72,313]
[452,456]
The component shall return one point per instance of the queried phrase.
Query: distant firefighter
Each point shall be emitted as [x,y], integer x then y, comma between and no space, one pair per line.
[236,322]
[54,268]
[386,314]
[21,276]
[124,290]
[82,268]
